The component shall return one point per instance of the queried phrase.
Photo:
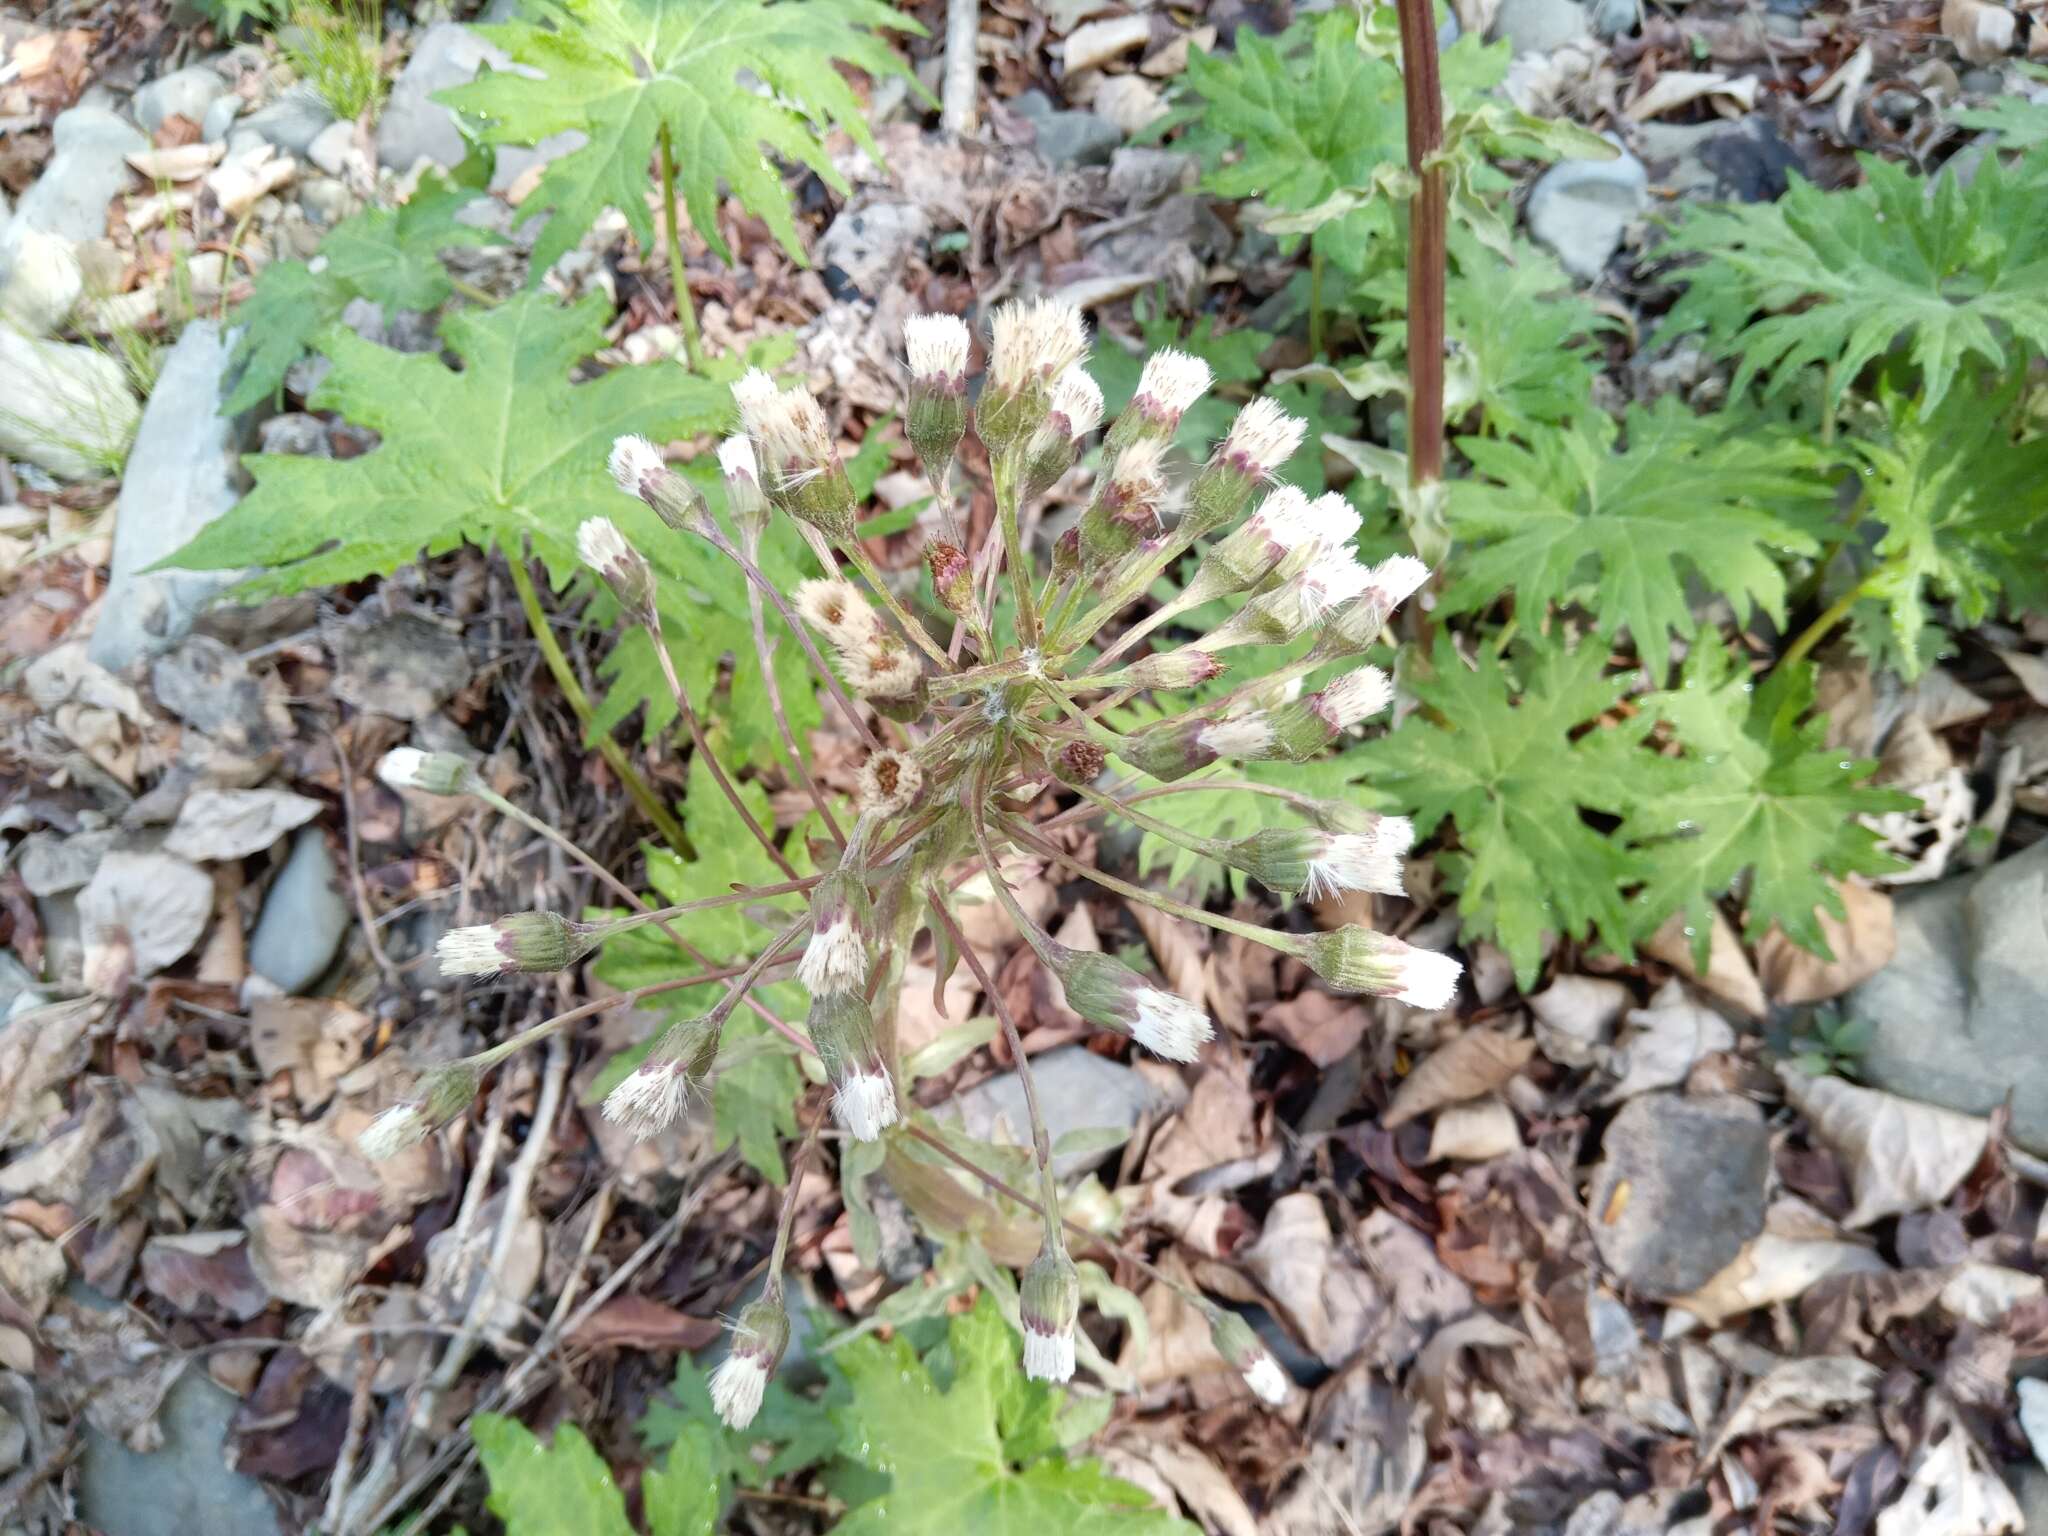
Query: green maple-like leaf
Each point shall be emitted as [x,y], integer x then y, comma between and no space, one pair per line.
[624,72]
[1834,278]
[1757,793]
[505,452]
[390,256]
[975,1453]
[2020,122]
[565,1489]
[1566,518]
[1964,507]
[1514,769]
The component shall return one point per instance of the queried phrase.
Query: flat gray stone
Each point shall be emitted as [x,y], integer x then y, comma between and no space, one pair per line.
[305,917]
[69,408]
[185,1485]
[1960,1016]
[1078,138]
[220,117]
[180,476]
[1579,210]
[206,685]
[869,245]
[1740,162]
[185,93]
[1077,1090]
[89,166]
[1540,26]
[414,126]
[292,122]
[1679,1190]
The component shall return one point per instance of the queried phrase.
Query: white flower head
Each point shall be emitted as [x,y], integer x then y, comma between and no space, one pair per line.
[1049,1356]
[603,548]
[1261,439]
[752,394]
[399,1127]
[790,431]
[835,959]
[1332,579]
[837,611]
[1170,1026]
[1357,862]
[865,1104]
[937,347]
[1399,577]
[1355,696]
[889,782]
[1172,381]
[737,1387]
[1265,1378]
[736,460]
[881,668]
[1077,401]
[472,952]
[1281,522]
[650,1098]
[1427,979]
[1034,341]
[636,464]
[1332,521]
[1247,737]
[401,767]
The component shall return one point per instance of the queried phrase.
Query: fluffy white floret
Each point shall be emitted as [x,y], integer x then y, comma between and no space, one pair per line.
[1246,736]
[889,782]
[1355,696]
[1332,521]
[634,462]
[1399,576]
[603,548]
[1172,381]
[1427,979]
[400,767]
[1332,579]
[1077,400]
[399,1127]
[736,460]
[835,959]
[1169,1025]
[837,611]
[650,1099]
[865,1104]
[471,952]
[1262,438]
[1048,1356]
[1034,341]
[1282,519]
[737,1387]
[1265,1377]
[937,346]
[1350,862]
[754,390]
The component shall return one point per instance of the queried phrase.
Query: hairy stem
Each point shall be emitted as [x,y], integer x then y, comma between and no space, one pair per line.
[686,307]
[614,755]
[1138,893]
[1009,513]
[907,620]
[791,750]
[1427,215]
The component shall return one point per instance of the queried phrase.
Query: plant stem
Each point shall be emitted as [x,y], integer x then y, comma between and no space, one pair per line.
[1008,513]
[787,1219]
[1165,904]
[1315,298]
[907,620]
[1821,627]
[614,755]
[773,689]
[686,307]
[1427,214]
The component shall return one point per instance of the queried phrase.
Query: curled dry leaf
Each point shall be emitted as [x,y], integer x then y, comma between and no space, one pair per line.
[1951,1489]
[1332,1304]
[1728,974]
[1664,1040]
[1323,1027]
[1204,1489]
[1901,1156]
[1863,944]
[1984,1293]
[140,912]
[234,823]
[1474,1064]
[41,1050]
[1473,1132]
[1982,32]
[1798,1392]
[1772,1269]
[204,1274]
[1576,1016]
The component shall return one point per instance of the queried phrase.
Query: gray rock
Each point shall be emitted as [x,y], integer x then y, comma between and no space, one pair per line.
[400,664]
[206,685]
[296,432]
[869,245]
[1959,1016]
[292,122]
[69,409]
[1611,18]
[1078,138]
[1540,26]
[1078,1091]
[186,93]
[40,279]
[415,126]
[1142,176]
[1579,210]
[305,917]
[52,863]
[89,167]
[1741,162]
[1695,1171]
[180,477]
[2029,1484]
[186,1484]
[220,117]
[330,146]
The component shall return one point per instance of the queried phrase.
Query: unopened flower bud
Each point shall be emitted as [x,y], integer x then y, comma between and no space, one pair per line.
[1357,624]
[1110,995]
[1080,762]
[1125,510]
[836,610]
[637,466]
[1317,864]
[836,958]
[1188,667]
[431,773]
[843,1031]
[624,569]
[1260,440]
[522,942]
[936,417]
[952,576]
[1066,557]
[800,467]
[760,1335]
[1173,749]
[1048,1305]
[1306,727]
[1075,411]
[442,1094]
[1237,1343]
[890,782]
[1290,610]
[1171,382]
[743,493]
[1030,345]
[1355,959]
[652,1097]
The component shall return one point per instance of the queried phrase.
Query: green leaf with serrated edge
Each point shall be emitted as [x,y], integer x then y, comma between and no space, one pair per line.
[2020,122]
[1834,279]
[682,1496]
[505,451]
[288,308]
[1569,517]
[1509,761]
[944,1449]
[797,1425]
[563,1489]
[1759,791]
[622,72]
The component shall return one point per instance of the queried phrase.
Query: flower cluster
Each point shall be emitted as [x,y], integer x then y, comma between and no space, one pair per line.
[981,704]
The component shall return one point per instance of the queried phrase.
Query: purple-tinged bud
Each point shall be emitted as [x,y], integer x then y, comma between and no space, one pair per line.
[1253,550]
[743,494]
[653,1096]
[952,576]
[1260,440]
[1355,959]
[624,569]
[843,1031]
[1049,1305]
[836,610]
[1290,610]
[431,773]
[1356,625]
[936,417]
[1175,748]
[1080,762]
[1030,345]
[1237,1343]
[1317,864]
[1075,410]
[890,782]
[1066,557]
[1125,510]
[637,466]
[1188,667]
[760,1335]
[1171,382]
[1306,727]
[442,1094]
[525,943]
[1110,995]
[836,958]
[800,468]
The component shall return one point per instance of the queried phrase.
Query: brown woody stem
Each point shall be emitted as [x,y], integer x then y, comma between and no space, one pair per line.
[1427,214]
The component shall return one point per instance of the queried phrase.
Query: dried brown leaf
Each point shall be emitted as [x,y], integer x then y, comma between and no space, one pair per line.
[1798,1392]
[1900,1155]
[1863,944]
[1475,1063]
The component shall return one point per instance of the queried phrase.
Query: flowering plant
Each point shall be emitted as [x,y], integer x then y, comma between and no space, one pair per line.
[963,733]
